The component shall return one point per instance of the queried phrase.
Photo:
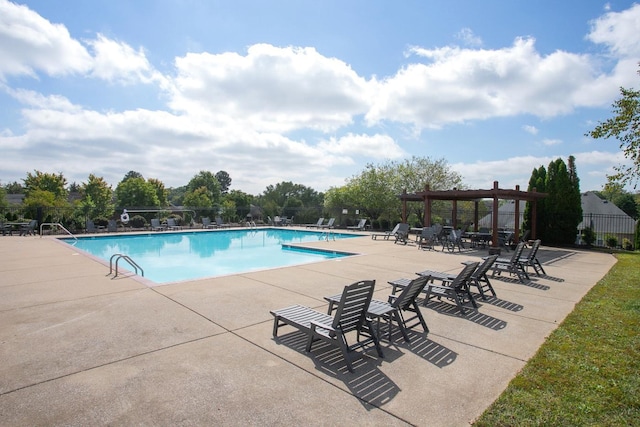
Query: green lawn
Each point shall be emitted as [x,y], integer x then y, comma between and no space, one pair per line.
[588,371]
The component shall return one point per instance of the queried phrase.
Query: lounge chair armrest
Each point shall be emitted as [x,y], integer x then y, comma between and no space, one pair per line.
[315,324]
[392,298]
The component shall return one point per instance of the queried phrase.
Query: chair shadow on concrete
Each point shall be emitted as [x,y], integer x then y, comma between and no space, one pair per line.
[551,278]
[532,282]
[420,345]
[473,315]
[367,382]
[497,302]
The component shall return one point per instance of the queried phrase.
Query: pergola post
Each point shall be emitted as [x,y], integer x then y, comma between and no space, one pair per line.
[494,216]
[516,229]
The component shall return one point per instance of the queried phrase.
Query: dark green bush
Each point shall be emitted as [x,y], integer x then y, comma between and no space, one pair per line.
[138,221]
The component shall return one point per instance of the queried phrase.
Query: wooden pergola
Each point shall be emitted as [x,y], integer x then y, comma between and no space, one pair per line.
[496,193]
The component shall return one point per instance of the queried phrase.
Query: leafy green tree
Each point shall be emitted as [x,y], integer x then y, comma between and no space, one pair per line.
[44,190]
[97,196]
[225,181]
[274,200]
[53,183]
[199,198]
[132,174]
[14,188]
[176,195]
[241,200]
[3,198]
[161,192]
[210,182]
[615,193]
[74,187]
[136,192]
[375,190]
[625,127]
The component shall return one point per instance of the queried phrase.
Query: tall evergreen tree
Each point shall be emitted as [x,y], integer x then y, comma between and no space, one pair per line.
[563,211]
[537,182]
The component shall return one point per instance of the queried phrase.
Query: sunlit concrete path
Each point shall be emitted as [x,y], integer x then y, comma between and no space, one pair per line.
[79,348]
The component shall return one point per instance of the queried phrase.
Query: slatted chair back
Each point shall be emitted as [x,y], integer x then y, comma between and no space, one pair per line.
[403,232]
[465,274]
[352,309]
[534,250]
[395,229]
[517,253]
[484,267]
[409,294]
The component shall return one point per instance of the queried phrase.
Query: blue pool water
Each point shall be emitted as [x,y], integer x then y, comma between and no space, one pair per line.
[172,257]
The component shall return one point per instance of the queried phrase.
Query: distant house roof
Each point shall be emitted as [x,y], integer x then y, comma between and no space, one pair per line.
[604,216]
[15,199]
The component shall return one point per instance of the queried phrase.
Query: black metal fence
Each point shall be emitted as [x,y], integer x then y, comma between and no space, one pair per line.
[608,230]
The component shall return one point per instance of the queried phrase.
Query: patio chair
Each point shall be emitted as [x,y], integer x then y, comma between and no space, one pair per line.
[360,226]
[6,228]
[329,223]
[350,316]
[456,289]
[402,235]
[155,225]
[531,260]
[392,309]
[206,223]
[453,241]
[512,265]
[171,224]
[480,279]
[112,226]
[427,239]
[317,224]
[29,229]
[387,234]
[92,228]
[505,239]
[220,223]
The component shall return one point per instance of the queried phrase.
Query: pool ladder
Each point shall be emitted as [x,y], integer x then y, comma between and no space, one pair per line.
[131,262]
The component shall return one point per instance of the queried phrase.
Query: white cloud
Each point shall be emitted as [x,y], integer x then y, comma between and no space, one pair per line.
[618,31]
[30,43]
[592,167]
[118,62]
[374,146]
[467,36]
[530,129]
[271,88]
[457,85]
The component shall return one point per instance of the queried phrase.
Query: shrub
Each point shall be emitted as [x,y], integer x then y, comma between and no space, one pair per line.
[611,241]
[138,221]
[588,236]
[101,221]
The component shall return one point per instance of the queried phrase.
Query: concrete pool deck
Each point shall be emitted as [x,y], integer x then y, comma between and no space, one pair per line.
[79,348]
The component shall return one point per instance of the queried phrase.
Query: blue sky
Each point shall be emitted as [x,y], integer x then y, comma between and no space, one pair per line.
[310,91]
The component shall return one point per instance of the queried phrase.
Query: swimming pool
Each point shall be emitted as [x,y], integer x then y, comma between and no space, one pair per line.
[172,257]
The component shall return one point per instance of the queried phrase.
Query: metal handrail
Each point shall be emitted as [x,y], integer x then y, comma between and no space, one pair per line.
[131,262]
[52,224]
